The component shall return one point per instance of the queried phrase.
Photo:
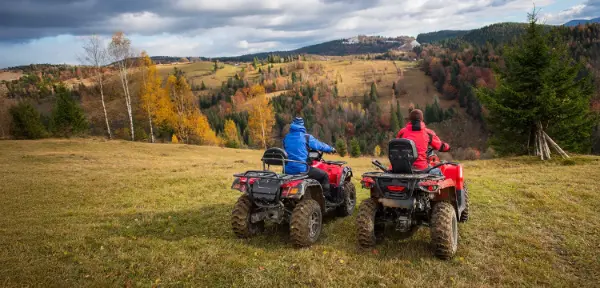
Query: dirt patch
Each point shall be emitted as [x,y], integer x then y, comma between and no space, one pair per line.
[10,75]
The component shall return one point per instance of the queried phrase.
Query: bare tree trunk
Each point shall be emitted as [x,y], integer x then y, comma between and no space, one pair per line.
[151,130]
[99,75]
[129,109]
[555,146]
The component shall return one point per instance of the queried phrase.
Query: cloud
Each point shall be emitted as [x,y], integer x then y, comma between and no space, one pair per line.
[228,27]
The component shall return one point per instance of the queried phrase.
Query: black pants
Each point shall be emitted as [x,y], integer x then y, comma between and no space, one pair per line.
[321,176]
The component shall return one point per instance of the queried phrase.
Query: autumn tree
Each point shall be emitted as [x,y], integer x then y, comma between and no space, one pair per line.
[185,116]
[260,121]
[153,98]
[231,135]
[119,50]
[95,55]
[377,151]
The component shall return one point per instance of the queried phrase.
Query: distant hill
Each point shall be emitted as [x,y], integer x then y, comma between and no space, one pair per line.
[341,47]
[437,36]
[581,21]
[494,34]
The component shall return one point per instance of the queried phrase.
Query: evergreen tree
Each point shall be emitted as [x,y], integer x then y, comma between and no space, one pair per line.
[203,86]
[281,71]
[340,146]
[294,79]
[541,88]
[394,125]
[68,118]
[373,94]
[354,148]
[400,116]
[26,122]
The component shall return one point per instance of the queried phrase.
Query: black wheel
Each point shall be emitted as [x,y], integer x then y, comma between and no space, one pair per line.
[240,219]
[464,216]
[444,230]
[369,233]
[347,207]
[306,223]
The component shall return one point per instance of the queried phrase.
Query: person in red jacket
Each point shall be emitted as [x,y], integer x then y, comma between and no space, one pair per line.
[417,131]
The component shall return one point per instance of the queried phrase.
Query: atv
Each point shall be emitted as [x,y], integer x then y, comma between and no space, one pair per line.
[279,198]
[403,199]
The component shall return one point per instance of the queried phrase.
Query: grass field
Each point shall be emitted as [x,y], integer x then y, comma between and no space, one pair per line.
[92,213]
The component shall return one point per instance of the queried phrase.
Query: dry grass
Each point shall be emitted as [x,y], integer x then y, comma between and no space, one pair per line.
[91,213]
[10,75]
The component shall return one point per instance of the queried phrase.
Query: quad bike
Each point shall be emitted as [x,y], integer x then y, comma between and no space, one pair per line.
[402,199]
[275,198]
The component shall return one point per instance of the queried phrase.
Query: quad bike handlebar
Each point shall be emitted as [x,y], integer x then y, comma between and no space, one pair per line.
[379,165]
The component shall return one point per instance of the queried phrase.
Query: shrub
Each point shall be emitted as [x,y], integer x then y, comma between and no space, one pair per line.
[354,148]
[340,146]
[377,151]
[174,139]
[26,122]
[67,117]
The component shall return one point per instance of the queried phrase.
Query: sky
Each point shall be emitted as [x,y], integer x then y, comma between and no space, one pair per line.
[53,31]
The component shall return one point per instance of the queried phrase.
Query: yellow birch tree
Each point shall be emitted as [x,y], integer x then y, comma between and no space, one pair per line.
[260,121]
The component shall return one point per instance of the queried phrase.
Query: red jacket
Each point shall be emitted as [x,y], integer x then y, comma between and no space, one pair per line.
[422,137]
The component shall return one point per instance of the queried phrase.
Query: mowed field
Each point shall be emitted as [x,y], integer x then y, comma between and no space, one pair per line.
[96,213]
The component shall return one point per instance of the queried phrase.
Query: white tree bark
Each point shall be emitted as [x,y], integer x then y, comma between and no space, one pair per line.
[95,55]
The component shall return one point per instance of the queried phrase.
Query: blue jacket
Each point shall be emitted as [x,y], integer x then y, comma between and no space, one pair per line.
[294,144]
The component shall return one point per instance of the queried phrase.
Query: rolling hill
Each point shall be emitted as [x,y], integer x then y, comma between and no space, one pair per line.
[578,22]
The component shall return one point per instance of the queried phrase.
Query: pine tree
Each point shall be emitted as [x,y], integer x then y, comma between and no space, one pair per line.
[540,90]
[203,86]
[373,94]
[26,122]
[354,148]
[400,116]
[340,146]
[395,125]
[67,117]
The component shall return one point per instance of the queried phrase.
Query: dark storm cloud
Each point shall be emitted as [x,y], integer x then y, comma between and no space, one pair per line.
[24,20]
[591,9]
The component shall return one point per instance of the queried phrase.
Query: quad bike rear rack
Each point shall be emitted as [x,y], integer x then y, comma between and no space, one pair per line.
[403,176]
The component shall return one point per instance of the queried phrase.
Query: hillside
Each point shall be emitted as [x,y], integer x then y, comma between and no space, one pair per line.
[437,36]
[165,222]
[574,23]
[352,46]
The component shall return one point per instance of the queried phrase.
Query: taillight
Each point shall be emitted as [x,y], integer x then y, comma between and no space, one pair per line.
[367,182]
[429,186]
[241,183]
[396,188]
[289,189]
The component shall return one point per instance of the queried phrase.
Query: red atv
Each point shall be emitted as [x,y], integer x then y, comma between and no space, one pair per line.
[402,199]
[295,199]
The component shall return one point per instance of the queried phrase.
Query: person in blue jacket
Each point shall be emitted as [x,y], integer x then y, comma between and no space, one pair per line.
[296,146]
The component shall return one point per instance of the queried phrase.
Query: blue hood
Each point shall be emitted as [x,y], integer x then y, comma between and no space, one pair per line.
[297,126]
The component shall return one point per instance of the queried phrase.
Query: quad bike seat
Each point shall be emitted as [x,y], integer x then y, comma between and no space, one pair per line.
[274,157]
[402,156]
